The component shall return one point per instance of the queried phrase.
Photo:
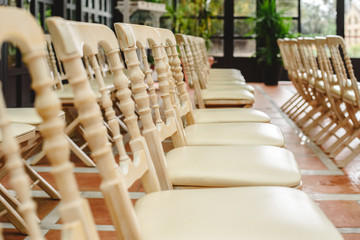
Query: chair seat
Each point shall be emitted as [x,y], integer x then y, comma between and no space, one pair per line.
[22,132]
[25,115]
[230,115]
[230,86]
[224,70]
[232,166]
[66,95]
[226,78]
[249,213]
[227,94]
[234,134]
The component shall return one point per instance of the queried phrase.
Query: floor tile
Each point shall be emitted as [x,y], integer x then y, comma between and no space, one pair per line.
[328,184]
[343,214]
[351,236]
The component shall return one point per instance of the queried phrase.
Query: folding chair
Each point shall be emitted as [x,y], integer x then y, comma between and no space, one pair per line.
[206,97]
[22,28]
[194,166]
[159,214]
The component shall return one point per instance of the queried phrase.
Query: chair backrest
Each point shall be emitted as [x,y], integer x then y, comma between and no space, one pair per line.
[56,69]
[199,65]
[21,28]
[309,45]
[333,88]
[185,108]
[288,50]
[71,46]
[132,37]
[343,68]
[186,54]
[18,179]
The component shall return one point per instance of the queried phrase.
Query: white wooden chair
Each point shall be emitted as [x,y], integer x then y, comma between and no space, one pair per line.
[213,115]
[334,91]
[194,166]
[349,88]
[227,74]
[214,97]
[224,81]
[165,214]
[217,133]
[321,115]
[21,28]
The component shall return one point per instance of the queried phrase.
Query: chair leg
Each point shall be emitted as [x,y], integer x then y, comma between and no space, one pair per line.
[80,154]
[314,123]
[308,116]
[289,102]
[350,157]
[324,130]
[326,137]
[298,108]
[293,105]
[13,216]
[344,144]
[41,182]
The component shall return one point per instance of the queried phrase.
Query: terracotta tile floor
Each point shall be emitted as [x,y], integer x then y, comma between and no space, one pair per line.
[337,191]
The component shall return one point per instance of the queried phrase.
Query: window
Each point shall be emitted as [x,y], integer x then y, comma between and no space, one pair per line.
[244,46]
[352,11]
[318,17]
[216,8]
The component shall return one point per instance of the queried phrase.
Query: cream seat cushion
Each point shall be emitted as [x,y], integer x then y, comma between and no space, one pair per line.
[227,95]
[66,94]
[248,213]
[234,134]
[225,70]
[25,115]
[225,78]
[230,86]
[232,166]
[22,131]
[230,115]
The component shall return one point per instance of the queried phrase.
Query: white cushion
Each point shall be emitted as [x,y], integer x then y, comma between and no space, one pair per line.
[232,166]
[225,78]
[225,70]
[19,130]
[227,94]
[25,115]
[248,213]
[66,95]
[228,115]
[230,86]
[234,134]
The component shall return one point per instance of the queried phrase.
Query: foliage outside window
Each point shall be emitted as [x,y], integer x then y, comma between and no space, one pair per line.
[318,17]
[191,17]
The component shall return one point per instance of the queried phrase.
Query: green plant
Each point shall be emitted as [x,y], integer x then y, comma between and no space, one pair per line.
[269,25]
[191,17]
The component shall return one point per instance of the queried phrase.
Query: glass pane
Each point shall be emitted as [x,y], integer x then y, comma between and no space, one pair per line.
[294,25]
[216,7]
[26,5]
[11,58]
[244,47]
[217,27]
[352,28]
[244,8]
[318,17]
[48,13]
[12,3]
[166,22]
[288,7]
[242,27]
[217,47]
